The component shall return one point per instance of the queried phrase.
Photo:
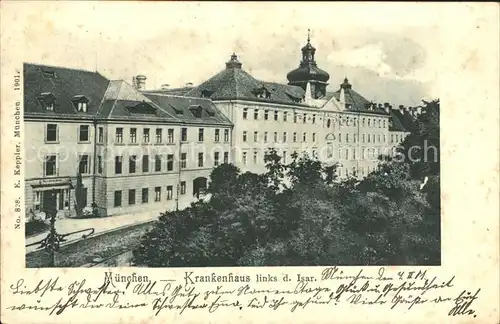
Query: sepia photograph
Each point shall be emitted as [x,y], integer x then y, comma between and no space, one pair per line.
[249,162]
[312,147]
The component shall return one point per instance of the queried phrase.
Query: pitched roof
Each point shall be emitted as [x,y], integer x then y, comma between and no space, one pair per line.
[174,91]
[357,102]
[235,83]
[65,85]
[405,121]
[183,108]
[395,125]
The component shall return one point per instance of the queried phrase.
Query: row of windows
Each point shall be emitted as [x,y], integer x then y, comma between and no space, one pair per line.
[257,160]
[132,194]
[365,138]
[284,137]
[304,118]
[51,163]
[354,171]
[52,134]
[397,138]
[159,136]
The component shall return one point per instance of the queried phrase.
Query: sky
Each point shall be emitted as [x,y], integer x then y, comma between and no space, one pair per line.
[389,52]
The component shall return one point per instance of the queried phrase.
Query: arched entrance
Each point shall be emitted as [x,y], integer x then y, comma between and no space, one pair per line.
[199,186]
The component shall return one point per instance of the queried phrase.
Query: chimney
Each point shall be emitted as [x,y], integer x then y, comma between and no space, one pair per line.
[387,107]
[409,110]
[165,86]
[402,109]
[189,84]
[139,82]
[419,110]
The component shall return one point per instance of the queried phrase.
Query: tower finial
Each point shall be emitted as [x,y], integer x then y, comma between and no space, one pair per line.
[308,35]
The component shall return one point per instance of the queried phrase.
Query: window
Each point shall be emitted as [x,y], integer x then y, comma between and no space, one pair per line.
[304,137]
[354,138]
[347,138]
[255,137]
[170,136]
[255,155]
[373,138]
[226,135]
[284,137]
[133,135]
[170,192]
[384,138]
[183,187]
[216,158]
[244,136]
[379,138]
[132,163]
[118,198]
[314,137]
[83,133]
[304,119]
[369,122]
[51,165]
[200,135]
[158,136]
[294,137]
[265,137]
[245,113]
[83,164]
[119,135]
[170,162]
[314,119]
[145,135]
[200,160]
[184,134]
[347,154]
[340,137]
[363,138]
[157,163]
[354,154]
[256,114]
[217,135]
[82,107]
[285,116]
[118,165]
[51,133]
[145,163]
[275,137]
[99,164]
[383,123]
[295,118]
[131,197]
[266,114]
[157,194]
[226,157]
[145,195]
[276,115]
[100,136]
[328,123]
[183,160]
[244,158]
[284,157]
[369,137]
[363,122]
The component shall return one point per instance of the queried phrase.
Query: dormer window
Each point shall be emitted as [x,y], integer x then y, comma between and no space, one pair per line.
[206,93]
[47,99]
[196,110]
[142,108]
[81,103]
[262,93]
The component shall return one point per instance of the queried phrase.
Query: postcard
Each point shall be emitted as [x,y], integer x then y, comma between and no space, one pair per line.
[270,162]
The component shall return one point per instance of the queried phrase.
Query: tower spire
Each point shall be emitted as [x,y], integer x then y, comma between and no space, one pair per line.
[308,35]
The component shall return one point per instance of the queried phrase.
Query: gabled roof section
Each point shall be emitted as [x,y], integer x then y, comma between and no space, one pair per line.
[186,109]
[64,84]
[234,83]
[122,101]
[402,121]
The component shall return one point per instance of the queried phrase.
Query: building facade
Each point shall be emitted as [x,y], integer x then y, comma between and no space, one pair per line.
[121,148]
[132,151]
[302,116]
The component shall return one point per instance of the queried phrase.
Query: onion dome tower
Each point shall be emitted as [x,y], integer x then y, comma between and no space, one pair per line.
[309,72]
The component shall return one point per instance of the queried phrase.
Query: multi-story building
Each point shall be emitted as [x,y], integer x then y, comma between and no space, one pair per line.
[139,149]
[134,151]
[301,116]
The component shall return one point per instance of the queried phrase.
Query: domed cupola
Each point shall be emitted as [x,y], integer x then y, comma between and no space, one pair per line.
[309,72]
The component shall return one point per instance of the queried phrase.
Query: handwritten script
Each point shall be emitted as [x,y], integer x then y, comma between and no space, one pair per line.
[331,287]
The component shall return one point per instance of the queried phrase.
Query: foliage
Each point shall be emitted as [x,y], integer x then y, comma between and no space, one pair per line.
[299,214]
[35,226]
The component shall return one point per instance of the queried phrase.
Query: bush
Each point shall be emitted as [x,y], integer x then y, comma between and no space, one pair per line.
[35,226]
